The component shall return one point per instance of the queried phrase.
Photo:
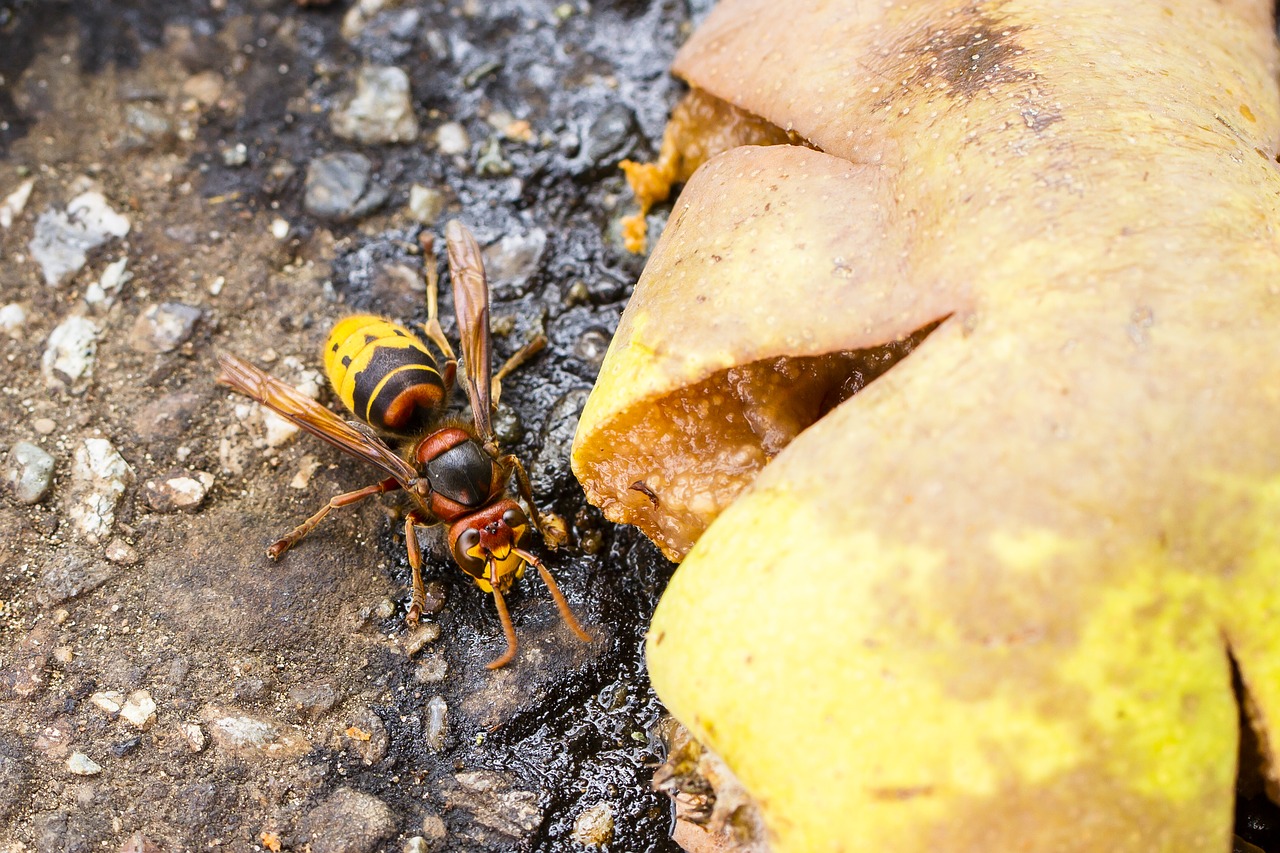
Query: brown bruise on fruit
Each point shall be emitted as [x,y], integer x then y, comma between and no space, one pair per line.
[700,127]
[672,467]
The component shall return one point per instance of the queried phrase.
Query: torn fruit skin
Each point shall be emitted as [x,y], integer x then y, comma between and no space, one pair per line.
[991,601]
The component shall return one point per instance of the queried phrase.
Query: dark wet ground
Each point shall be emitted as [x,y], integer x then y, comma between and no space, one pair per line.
[288,710]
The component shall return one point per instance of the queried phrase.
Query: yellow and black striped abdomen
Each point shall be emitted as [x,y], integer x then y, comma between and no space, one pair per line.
[383,373]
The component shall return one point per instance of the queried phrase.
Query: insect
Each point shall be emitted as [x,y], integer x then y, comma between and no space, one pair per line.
[453,473]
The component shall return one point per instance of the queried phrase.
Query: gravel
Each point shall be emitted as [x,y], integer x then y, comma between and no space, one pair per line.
[340,187]
[63,238]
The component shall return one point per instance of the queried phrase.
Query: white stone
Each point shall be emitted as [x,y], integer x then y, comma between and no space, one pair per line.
[99,477]
[15,202]
[82,765]
[13,319]
[451,138]
[108,701]
[69,354]
[140,710]
[62,239]
[381,110]
[104,291]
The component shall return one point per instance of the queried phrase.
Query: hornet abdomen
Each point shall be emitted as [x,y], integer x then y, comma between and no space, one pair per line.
[383,373]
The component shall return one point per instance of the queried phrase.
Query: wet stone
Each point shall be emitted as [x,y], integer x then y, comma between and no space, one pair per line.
[28,472]
[340,187]
[381,110]
[421,637]
[495,802]
[594,826]
[431,669]
[610,136]
[82,765]
[591,346]
[425,204]
[181,491]
[63,238]
[348,821]
[389,36]
[165,327]
[437,724]
[99,477]
[514,259]
[67,363]
[367,736]
[550,468]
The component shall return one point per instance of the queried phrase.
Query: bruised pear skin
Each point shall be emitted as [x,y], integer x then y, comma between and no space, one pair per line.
[991,602]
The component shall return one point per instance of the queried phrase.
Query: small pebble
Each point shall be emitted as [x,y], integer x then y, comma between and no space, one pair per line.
[82,765]
[120,552]
[145,126]
[279,228]
[64,654]
[416,844]
[235,155]
[15,202]
[349,821]
[62,239]
[205,87]
[425,204]
[451,138]
[165,327]
[194,736]
[103,292]
[122,748]
[69,355]
[437,725]
[435,597]
[179,492]
[514,259]
[108,701]
[140,710]
[314,700]
[610,136]
[381,110]
[340,187]
[44,426]
[29,472]
[591,346]
[420,637]
[433,828]
[594,827]
[13,319]
[431,669]
[385,610]
[372,745]
[99,477]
